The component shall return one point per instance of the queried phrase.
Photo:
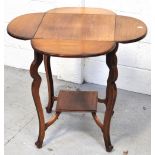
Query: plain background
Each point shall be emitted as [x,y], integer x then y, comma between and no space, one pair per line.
[134,63]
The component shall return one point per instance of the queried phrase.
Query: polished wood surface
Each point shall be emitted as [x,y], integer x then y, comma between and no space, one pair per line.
[77,101]
[24,27]
[129,29]
[81,10]
[73,28]
[93,27]
[72,48]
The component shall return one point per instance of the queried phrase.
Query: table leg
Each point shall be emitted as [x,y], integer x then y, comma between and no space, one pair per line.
[111,93]
[49,83]
[36,97]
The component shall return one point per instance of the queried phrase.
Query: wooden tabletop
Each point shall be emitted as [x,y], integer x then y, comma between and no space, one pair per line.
[76,32]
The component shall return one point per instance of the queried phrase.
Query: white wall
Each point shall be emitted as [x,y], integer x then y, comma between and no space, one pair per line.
[133,59]
[19,53]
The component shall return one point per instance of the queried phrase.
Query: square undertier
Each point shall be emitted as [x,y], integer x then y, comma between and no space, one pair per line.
[77,101]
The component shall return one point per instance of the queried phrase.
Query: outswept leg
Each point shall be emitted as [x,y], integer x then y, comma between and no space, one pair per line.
[49,83]
[111,93]
[36,97]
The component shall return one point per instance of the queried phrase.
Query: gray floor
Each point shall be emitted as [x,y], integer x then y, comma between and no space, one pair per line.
[73,133]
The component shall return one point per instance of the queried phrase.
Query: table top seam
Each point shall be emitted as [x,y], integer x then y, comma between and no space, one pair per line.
[38,26]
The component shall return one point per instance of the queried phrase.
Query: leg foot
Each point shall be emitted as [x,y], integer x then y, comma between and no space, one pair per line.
[48,109]
[107,140]
[109,148]
[38,144]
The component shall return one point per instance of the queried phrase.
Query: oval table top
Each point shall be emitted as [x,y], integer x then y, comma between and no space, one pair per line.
[76,32]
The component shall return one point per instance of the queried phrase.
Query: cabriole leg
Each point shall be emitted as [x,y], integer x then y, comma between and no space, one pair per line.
[36,97]
[49,83]
[111,93]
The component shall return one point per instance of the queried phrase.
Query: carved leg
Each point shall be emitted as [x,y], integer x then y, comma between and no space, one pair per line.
[111,93]
[49,83]
[35,93]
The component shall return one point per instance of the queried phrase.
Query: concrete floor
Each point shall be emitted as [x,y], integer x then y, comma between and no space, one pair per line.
[73,133]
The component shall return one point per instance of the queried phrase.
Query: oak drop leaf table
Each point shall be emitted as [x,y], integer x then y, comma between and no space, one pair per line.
[75,33]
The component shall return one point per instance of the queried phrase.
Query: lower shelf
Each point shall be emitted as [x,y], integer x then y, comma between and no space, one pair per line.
[77,101]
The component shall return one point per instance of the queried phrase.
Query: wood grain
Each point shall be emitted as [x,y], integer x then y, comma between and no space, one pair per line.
[77,101]
[94,27]
[49,83]
[72,48]
[81,10]
[111,94]
[36,97]
[52,120]
[25,26]
[78,23]
[129,29]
